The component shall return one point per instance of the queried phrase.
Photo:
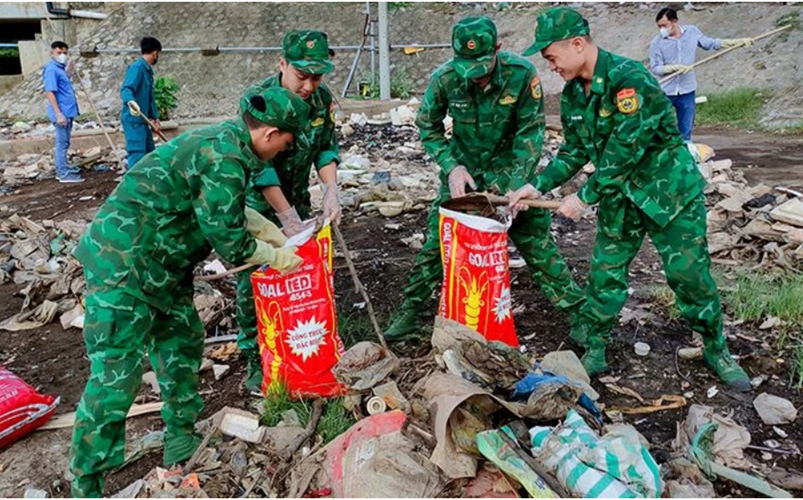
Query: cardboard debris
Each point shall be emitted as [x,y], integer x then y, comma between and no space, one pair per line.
[790,212]
[242,425]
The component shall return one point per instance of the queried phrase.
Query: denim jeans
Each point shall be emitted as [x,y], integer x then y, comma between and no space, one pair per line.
[62,145]
[684,107]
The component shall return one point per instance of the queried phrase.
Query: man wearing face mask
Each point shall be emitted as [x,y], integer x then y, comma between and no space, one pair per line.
[137,89]
[170,210]
[280,191]
[674,51]
[646,182]
[62,108]
[496,102]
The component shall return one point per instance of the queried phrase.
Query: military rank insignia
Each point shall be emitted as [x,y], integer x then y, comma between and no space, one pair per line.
[627,101]
[317,122]
[535,87]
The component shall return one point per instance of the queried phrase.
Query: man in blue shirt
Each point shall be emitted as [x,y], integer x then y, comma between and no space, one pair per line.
[673,51]
[138,88]
[62,108]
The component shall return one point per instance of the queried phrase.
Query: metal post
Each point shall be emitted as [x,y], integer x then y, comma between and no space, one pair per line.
[384,53]
[373,51]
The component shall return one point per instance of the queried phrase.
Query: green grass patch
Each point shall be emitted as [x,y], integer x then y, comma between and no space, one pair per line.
[664,298]
[739,108]
[335,420]
[355,326]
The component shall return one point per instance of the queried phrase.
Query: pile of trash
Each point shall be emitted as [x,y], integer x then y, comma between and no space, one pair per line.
[752,224]
[469,419]
[27,168]
[39,256]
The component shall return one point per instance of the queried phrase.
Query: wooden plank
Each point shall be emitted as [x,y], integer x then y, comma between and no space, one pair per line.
[68,419]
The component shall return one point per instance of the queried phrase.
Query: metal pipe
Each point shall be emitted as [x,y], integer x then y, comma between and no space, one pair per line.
[188,50]
[85,14]
[373,53]
[9,45]
[52,9]
[384,53]
[357,55]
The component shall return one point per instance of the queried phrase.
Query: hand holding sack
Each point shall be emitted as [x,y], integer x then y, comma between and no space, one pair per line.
[297,321]
[476,275]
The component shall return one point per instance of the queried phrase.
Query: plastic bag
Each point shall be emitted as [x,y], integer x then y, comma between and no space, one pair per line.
[22,408]
[476,275]
[297,321]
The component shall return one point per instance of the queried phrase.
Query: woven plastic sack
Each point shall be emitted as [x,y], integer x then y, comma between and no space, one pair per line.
[22,408]
[616,465]
[297,321]
[476,275]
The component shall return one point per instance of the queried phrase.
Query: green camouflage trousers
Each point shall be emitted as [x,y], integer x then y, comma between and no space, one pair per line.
[683,247]
[530,233]
[246,308]
[118,328]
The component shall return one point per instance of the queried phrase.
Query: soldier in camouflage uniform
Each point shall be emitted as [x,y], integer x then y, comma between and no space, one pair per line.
[280,191]
[616,116]
[170,210]
[495,100]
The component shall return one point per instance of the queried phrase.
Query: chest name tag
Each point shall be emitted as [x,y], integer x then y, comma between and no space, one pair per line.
[627,101]
[576,118]
[460,105]
[507,100]
[317,122]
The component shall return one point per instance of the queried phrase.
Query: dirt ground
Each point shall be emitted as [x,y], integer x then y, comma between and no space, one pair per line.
[54,360]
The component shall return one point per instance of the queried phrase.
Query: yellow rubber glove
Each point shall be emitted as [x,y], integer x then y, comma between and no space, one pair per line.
[677,68]
[736,42]
[283,260]
[263,229]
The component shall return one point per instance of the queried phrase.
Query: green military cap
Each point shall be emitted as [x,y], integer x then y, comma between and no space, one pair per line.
[307,51]
[474,44]
[556,24]
[279,107]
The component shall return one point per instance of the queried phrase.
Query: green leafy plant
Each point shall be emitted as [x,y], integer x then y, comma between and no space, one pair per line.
[165,90]
[9,52]
[401,85]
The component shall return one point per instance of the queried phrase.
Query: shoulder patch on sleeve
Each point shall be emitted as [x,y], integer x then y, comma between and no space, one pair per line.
[535,87]
[627,101]
[332,112]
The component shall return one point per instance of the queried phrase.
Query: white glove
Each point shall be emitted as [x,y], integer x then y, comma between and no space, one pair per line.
[572,207]
[528,192]
[283,260]
[331,203]
[677,68]
[458,178]
[61,119]
[134,108]
[736,42]
[291,222]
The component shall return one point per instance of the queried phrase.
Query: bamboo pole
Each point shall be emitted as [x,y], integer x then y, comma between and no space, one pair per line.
[723,52]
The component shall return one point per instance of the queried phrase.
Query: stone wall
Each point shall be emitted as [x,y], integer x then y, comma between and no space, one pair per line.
[211,85]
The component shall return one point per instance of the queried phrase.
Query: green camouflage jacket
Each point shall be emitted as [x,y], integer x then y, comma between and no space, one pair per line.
[498,131]
[291,169]
[169,211]
[627,128]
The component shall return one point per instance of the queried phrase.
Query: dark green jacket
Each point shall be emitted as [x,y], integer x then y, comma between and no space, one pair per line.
[498,131]
[170,210]
[627,128]
[291,169]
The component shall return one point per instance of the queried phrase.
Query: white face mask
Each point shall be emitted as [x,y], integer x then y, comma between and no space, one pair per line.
[61,58]
[665,32]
